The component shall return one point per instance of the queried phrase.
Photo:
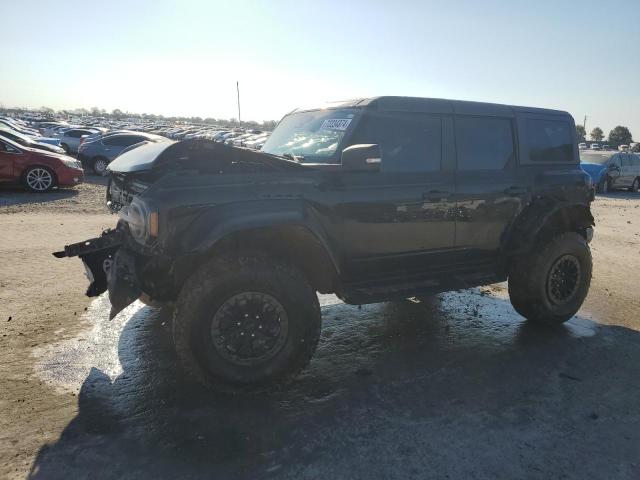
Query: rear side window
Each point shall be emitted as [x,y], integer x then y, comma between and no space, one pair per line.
[484,143]
[122,141]
[73,134]
[409,142]
[550,141]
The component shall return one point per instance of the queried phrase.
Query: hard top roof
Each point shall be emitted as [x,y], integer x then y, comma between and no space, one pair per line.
[434,105]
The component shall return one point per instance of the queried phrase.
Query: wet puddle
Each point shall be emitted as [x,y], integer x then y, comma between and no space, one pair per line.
[479,318]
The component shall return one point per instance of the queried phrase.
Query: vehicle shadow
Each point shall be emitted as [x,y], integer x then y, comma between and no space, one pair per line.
[94,179]
[623,194]
[457,386]
[16,195]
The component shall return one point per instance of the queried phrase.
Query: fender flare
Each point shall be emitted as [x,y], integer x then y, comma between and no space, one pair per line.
[531,221]
[217,223]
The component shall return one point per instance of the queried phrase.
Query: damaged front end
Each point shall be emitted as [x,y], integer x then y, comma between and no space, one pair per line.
[132,260]
[108,267]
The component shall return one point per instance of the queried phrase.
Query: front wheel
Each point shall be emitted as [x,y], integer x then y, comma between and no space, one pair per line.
[100,166]
[246,321]
[39,179]
[549,286]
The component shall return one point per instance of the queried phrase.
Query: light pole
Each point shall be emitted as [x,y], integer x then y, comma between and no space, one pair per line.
[238,89]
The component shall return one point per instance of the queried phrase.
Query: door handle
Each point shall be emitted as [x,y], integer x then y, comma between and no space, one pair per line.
[515,191]
[435,195]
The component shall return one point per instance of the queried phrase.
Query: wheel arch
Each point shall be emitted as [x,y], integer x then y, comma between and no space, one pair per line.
[542,221]
[23,174]
[290,232]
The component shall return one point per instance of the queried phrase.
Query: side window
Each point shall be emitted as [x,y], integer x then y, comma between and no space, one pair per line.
[615,160]
[131,140]
[409,142]
[635,160]
[484,143]
[626,160]
[5,147]
[549,141]
[111,141]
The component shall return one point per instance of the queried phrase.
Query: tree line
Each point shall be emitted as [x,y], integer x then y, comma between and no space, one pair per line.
[618,136]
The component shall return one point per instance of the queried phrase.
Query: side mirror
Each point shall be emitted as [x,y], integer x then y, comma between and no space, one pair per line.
[361,158]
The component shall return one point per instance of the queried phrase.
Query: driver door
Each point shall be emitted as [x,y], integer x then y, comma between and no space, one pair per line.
[400,219]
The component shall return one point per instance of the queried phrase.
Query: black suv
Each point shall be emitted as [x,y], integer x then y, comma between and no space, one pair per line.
[373,199]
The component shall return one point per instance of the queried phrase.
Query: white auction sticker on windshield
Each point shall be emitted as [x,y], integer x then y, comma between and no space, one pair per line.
[335,124]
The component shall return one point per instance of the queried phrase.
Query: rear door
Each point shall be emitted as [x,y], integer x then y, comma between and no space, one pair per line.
[627,170]
[488,189]
[398,220]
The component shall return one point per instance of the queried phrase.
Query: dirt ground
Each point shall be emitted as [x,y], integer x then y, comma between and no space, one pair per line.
[459,387]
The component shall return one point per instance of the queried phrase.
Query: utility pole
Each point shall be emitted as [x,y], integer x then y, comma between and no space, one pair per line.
[238,89]
[584,125]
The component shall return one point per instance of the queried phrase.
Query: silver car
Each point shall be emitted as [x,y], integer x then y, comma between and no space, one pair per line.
[70,139]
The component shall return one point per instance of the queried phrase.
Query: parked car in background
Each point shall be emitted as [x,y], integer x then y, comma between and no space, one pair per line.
[595,146]
[582,146]
[97,154]
[27,141]
[19,128]
[70,139]
[612,171]
[623,148]
[37,170]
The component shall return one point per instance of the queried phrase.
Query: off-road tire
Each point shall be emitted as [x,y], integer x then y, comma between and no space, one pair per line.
[529,277]
[218,281]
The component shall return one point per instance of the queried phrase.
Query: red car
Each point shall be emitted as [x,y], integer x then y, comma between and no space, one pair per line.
[37,170]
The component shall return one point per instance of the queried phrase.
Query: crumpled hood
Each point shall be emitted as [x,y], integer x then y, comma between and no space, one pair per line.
[203,154]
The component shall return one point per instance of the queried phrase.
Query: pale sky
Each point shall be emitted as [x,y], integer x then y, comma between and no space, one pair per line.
[183,58]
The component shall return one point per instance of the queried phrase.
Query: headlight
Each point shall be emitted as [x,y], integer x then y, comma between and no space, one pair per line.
[141,219]
[71,163]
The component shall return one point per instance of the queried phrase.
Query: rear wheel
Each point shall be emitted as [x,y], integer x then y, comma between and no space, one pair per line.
[39,179]
[549,286]
[65,147]
[245,322]
[636,185]
[100,166]
[603,185]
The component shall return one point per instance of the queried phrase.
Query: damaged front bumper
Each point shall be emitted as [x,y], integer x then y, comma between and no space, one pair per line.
[110,266]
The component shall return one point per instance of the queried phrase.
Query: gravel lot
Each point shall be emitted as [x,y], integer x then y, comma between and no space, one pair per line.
[457,387]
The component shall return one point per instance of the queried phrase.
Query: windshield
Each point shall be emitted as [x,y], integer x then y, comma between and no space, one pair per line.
[311,137]
[599,158]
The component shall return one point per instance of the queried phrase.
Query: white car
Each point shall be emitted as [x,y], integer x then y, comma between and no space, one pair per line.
[582,146]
